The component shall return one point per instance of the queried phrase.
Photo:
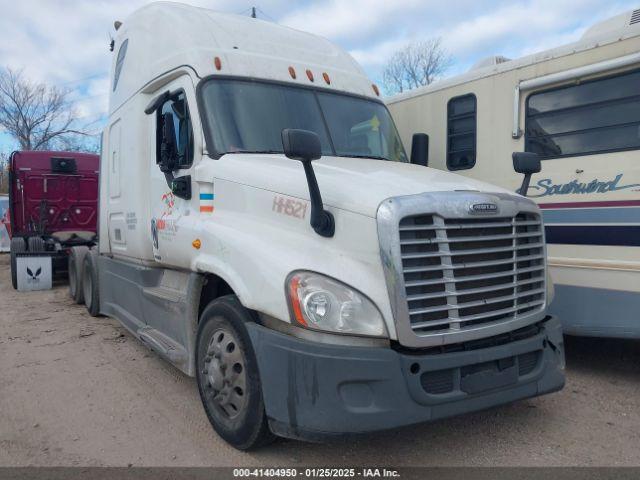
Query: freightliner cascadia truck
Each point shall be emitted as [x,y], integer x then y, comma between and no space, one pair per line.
[263,230]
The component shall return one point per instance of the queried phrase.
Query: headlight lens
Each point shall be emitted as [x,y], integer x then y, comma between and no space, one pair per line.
[321,303]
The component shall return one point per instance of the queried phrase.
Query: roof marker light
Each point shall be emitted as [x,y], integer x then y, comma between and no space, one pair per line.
[310,75]
[375,89]
[326,78]
[292,72]
[217,63]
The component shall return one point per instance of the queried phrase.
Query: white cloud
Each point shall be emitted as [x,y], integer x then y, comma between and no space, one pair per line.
[65,42]
[352,20]
[509,28]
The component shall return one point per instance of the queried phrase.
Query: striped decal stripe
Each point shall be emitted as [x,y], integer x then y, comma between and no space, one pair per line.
[206,202]
[607,223]
[613,203]
[622,215]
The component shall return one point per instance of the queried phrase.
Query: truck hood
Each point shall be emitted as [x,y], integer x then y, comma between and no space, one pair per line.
[355,184]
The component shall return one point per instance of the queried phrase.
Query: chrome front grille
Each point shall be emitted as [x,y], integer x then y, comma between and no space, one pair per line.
[463,273]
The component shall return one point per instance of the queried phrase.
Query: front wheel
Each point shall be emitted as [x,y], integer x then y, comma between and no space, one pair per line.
[227,374]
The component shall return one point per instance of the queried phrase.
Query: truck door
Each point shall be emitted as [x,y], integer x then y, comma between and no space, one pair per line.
[174,147]
[117,204]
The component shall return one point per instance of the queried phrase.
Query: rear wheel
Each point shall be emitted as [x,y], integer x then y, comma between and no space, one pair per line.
[75,268]
[18,245]
[90,283]
[227,374]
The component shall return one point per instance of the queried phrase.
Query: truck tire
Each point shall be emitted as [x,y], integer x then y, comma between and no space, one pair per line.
[90,283]
[18,245]
[36,244]
[228,377]
[75,264]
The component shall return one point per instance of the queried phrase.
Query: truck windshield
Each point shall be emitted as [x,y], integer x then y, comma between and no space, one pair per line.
[249,116]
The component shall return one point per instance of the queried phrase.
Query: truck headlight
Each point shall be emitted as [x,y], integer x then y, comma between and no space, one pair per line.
[321,303]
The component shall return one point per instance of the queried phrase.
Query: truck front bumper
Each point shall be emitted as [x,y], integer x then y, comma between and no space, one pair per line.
[313,391]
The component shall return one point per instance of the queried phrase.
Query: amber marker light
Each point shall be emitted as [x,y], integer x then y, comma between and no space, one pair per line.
[326,78]
[217,63]
[310,75]
[292,72]
[196,244]
[295,301]
[375,89]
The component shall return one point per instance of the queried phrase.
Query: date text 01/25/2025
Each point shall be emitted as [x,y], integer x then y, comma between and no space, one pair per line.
[317,472]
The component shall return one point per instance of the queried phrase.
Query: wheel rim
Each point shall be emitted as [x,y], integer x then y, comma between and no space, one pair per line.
[224,374]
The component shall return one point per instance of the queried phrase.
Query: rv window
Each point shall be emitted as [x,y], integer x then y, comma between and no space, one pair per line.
[461,132]
[179,110]
[593,117]
[119,63]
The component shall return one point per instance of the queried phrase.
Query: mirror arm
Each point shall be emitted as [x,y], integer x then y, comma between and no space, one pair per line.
[526,163]
[524,188]
[322,221]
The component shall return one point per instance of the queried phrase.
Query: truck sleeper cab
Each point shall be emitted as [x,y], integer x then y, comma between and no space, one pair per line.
[231,142]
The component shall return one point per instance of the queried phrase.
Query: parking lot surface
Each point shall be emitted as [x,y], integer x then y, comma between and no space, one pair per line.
[77,390]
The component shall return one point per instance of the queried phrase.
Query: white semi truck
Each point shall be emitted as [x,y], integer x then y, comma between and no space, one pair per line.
[262,229]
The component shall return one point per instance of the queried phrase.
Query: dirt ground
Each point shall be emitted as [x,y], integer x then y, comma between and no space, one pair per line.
[77,390]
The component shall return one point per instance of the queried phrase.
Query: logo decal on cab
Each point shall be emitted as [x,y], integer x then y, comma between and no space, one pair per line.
[483,208]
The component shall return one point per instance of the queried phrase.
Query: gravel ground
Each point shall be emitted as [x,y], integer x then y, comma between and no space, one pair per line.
[77,390]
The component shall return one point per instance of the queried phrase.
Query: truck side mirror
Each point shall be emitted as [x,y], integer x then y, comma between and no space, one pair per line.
[168,147]
[304,146]
[526,163]
[420,149]
[301,145]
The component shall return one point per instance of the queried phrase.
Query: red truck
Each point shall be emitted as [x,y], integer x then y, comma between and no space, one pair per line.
[53,204]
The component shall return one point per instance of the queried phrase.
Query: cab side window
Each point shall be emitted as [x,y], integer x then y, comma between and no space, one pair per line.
[173,119]
[122,53]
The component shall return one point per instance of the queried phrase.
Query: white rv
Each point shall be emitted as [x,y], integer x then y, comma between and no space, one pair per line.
[578,108]
[262,229]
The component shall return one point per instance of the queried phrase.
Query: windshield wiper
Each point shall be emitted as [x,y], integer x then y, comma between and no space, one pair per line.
[256,151]
[373,157]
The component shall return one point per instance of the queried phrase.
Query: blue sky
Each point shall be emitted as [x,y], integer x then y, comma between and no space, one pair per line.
[65,42]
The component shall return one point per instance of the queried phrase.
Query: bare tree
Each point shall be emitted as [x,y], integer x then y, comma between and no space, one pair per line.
[4,172]
[415,65]
[36,115]
[88,143]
